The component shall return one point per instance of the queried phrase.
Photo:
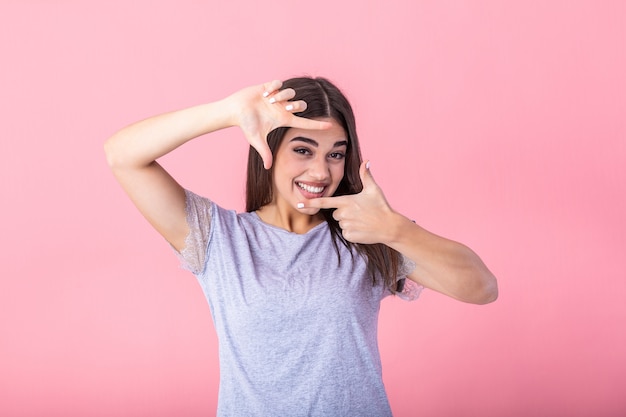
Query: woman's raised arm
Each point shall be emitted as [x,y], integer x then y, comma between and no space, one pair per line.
[132,152]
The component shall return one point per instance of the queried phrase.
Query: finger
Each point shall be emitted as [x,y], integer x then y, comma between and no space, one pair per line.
[296,106]
[325,202]
[271,86]
[366,175]
[266,156]
[283,95]
[264,152]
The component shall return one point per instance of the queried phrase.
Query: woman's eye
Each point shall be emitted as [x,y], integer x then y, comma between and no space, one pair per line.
[302,151]
[337,155]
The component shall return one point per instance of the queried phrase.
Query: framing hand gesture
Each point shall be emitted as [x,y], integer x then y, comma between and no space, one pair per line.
[265,108]
[363,217]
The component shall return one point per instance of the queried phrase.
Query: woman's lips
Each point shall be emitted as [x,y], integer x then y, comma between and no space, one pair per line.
[311,190]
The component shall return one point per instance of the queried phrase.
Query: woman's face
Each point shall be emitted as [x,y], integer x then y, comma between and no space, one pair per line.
[309,164]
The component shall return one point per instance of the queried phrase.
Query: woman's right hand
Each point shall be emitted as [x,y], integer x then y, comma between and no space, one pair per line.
[262,108]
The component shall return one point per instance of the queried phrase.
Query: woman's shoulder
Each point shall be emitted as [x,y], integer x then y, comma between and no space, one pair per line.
[197,202]
[218,213]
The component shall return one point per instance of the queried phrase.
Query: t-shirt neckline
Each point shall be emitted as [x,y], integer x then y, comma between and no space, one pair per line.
[260,221]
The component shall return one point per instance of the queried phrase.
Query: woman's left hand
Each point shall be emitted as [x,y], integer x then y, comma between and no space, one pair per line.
[365,217]
[441,264]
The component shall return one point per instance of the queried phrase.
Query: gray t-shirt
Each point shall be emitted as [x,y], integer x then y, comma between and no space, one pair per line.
[297,331]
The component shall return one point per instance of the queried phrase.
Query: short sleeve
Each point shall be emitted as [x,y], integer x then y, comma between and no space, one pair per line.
[198,210]
[408,290]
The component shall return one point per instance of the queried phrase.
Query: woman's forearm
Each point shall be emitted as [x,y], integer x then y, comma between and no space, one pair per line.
[141,143]
[444,265]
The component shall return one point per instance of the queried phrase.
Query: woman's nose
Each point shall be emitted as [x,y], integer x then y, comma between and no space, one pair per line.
[319,169]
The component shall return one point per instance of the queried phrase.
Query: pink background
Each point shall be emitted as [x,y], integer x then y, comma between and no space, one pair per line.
[498,124]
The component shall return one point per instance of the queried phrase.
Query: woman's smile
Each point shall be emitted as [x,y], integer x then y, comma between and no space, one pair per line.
[309,190]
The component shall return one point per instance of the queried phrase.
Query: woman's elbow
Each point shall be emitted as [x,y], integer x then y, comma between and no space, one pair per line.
[111,152]
[117,153]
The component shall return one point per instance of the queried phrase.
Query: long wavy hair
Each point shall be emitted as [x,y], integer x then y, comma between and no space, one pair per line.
[324,100]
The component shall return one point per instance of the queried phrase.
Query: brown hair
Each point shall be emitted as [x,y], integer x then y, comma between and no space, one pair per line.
[324,100]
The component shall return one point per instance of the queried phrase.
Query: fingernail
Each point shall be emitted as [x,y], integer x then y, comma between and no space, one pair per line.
[367,165]
[289,107]
[265,94]
[300,205]
[272,100]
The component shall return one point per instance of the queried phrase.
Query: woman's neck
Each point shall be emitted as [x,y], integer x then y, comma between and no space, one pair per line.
[288,218]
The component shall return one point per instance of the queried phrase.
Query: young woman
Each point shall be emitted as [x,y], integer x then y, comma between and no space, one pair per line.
[295,282]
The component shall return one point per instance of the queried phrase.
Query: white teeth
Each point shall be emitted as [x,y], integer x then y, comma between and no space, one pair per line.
[310,189]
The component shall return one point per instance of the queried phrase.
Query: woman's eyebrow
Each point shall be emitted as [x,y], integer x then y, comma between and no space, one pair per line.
[314,142]
[305,140]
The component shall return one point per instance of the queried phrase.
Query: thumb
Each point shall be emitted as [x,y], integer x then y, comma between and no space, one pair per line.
[264,151]
[366,175]
[267,157]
